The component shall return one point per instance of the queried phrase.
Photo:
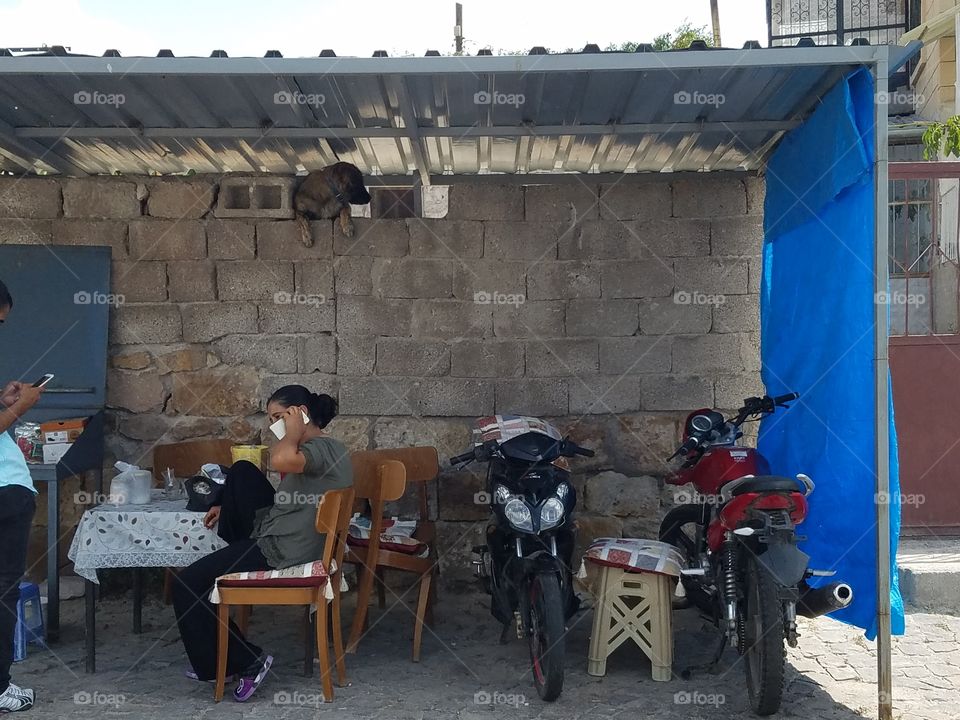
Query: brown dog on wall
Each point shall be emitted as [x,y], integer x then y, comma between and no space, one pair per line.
[329,193]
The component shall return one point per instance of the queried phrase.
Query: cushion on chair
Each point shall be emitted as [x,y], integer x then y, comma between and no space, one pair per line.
[311,574]
[396,543]
[635,555]
[396,535]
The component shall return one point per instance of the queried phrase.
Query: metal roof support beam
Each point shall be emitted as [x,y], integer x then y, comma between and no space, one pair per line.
[570,178]
[20,149]
[412,128]
[382,132]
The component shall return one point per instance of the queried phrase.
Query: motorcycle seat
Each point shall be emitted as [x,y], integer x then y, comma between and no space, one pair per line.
[767,483]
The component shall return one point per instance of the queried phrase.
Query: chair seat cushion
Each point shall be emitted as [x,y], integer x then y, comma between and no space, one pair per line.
[396,543]
[396,535]
[312,574]
[635,555]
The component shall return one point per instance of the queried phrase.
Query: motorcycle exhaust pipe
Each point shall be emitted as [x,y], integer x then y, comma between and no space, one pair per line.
[822,600]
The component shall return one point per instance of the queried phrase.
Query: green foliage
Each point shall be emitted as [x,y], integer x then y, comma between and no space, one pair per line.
[942,137]
[622,47]
[682,37]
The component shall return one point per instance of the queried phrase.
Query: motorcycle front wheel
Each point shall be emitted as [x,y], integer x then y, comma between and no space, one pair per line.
[763,647]
[546,635]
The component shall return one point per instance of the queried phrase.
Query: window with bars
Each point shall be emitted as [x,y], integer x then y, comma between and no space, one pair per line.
[911,236]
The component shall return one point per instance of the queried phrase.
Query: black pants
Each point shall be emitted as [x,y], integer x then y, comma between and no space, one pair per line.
[17,505]
[246,491]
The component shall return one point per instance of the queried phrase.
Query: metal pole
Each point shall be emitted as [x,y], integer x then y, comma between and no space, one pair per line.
[458,30]
[882,398]
[715,17]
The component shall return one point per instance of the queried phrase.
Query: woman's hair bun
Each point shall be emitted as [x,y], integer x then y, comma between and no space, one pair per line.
[323,409]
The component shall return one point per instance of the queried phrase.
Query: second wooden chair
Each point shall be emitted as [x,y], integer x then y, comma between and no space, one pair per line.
[381,476]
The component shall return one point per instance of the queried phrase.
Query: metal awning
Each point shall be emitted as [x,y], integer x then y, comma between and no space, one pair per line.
[408,118]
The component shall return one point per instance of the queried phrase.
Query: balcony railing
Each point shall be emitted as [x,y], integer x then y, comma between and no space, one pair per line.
[839,22]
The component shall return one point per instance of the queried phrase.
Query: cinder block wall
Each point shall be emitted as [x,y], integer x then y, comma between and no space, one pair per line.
[611,310]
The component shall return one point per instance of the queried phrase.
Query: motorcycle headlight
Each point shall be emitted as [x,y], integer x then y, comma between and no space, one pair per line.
[518,514]
[551,513]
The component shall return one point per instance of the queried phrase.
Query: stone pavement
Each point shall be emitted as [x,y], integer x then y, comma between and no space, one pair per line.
[466,674]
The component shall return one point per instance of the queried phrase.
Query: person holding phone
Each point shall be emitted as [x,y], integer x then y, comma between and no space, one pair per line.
[265,529]
[17,505]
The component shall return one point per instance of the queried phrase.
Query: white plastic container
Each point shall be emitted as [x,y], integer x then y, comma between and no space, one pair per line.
[131,487]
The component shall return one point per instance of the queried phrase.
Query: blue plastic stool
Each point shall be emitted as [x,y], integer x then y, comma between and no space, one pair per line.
[29,621]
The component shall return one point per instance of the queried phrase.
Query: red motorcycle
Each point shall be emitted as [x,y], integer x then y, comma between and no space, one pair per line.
[739,539]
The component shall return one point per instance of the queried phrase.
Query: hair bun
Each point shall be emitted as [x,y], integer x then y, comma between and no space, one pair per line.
[323,408]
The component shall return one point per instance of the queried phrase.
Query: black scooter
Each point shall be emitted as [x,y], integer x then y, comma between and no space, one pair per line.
[525,564]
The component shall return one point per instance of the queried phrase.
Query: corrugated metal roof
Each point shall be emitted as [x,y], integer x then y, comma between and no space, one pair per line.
[416,117]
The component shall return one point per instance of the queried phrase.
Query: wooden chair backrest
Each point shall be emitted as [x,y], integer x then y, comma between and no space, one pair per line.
[329,519]
[421,465]
[343,524]
[186,457]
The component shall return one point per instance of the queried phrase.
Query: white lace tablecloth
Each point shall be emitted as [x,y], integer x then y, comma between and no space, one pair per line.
[160,534]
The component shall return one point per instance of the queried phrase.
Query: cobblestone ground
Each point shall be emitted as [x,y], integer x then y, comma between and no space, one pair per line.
[466,674]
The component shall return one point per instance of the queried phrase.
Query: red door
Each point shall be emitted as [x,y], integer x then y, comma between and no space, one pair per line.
[925,371]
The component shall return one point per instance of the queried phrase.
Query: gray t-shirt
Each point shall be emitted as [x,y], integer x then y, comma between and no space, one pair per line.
[286,531]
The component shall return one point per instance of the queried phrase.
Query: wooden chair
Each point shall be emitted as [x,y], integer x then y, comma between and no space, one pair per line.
[333,519]
[380,476]
[186,457]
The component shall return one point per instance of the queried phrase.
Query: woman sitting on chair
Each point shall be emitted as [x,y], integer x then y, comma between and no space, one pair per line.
[265,529]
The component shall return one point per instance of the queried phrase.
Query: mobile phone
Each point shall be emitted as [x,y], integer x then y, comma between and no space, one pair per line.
[44,380]
[279,428]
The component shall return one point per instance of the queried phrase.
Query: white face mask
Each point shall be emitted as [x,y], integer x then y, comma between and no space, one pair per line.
[279,428]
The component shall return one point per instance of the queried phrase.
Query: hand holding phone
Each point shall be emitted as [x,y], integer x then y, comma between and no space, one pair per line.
[279,428]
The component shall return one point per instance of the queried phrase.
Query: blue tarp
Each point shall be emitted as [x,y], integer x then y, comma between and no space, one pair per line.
[817,322]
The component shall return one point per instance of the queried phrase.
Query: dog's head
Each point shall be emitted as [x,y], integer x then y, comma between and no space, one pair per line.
[349,181]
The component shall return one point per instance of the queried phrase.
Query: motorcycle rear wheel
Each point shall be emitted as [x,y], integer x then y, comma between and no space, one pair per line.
[763,648]
[546,636]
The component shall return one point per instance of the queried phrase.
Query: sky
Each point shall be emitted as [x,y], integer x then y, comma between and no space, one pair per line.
[301,28]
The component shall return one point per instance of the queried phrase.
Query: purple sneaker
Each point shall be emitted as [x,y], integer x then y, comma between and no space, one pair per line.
[249,683]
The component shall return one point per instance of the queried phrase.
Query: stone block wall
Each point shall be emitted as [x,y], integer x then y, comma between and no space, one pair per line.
[612,310]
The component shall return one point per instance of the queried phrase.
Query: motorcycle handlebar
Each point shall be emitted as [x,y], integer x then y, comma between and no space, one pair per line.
[464,457]
[751,406]
[789,397]
[577,450]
